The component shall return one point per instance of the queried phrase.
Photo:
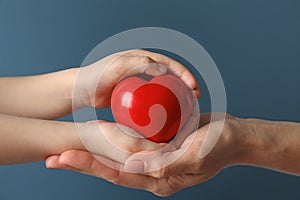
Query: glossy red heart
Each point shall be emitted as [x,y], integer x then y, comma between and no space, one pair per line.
[156,109]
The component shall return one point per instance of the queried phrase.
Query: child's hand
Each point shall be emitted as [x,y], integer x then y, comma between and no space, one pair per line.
[95,82]
[50,96]
[28,140]
[109,141]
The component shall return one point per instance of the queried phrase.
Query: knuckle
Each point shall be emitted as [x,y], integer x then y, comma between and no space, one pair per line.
[145,59]
[162,188]
[116,179]
[133,145]
[161,173]
[164,192]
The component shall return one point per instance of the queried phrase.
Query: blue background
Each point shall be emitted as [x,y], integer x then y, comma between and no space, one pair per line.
[255,44]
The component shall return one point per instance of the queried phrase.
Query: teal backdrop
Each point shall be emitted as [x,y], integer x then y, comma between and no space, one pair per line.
[255,44]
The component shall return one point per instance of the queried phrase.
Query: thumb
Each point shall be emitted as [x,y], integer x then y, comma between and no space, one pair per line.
[155,163]
[166,161]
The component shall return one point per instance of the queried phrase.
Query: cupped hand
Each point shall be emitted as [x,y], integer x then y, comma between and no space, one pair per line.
[110,141]
[145,170]
[95,82]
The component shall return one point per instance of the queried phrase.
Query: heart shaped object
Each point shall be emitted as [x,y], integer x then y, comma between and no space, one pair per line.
[156,109]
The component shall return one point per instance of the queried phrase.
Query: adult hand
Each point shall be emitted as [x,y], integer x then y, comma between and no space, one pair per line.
[186,171]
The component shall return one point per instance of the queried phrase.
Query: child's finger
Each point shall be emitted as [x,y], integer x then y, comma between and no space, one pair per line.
[175,66]
[52,162]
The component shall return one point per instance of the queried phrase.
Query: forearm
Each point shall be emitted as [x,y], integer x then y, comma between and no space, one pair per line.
[47,96]
[274,145]
[27,140]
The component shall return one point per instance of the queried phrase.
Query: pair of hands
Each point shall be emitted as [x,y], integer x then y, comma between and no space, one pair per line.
[186,171]
[142,165]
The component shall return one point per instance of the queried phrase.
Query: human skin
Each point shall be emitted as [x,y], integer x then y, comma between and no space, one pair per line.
[28,103]
[50,96]
[255,142]
[273,145]
[28,140]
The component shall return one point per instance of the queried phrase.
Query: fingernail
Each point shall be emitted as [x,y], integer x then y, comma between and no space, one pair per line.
[134,166]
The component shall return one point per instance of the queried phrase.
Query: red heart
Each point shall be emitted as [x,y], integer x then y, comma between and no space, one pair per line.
[156,109]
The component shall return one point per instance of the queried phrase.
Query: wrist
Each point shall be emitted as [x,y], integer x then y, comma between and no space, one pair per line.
[239,137]
[69,79]
[60,137]
[260,145]
[66,138]
[248,141]
[28,139]
[80,82]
